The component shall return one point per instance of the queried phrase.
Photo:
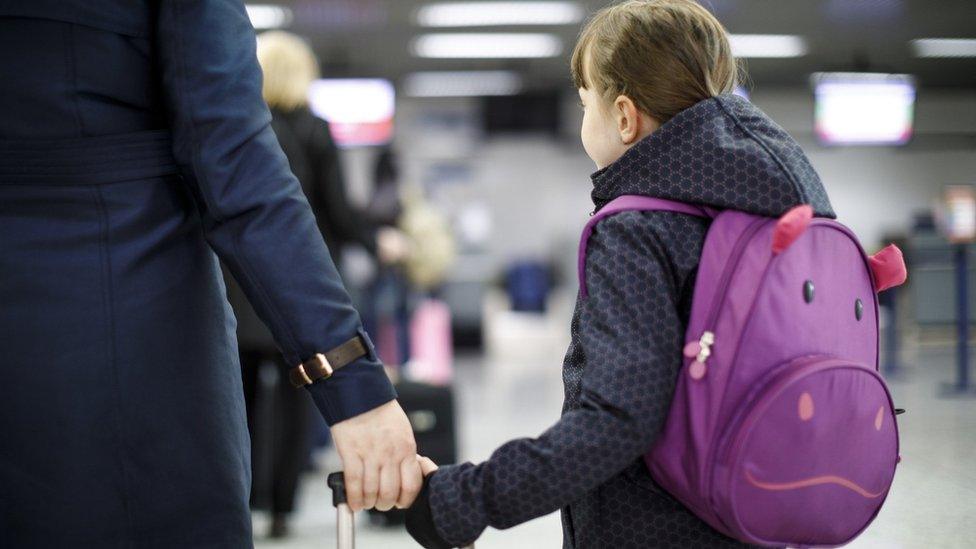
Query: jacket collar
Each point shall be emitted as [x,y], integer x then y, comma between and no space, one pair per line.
[722,152]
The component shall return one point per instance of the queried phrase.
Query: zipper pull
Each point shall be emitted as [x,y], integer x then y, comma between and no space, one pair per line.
[699,350]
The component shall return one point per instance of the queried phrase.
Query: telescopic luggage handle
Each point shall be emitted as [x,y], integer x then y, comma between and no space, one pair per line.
[345,525]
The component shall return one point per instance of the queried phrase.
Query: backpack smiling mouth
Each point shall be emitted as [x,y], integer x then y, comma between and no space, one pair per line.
[813,481]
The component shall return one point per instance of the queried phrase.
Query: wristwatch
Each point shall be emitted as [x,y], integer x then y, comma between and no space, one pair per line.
[323,365]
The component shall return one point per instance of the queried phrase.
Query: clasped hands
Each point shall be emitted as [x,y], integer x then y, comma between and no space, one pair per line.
[379,457]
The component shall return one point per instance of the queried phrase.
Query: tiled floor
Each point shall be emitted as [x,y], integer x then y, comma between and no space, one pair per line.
[932,504]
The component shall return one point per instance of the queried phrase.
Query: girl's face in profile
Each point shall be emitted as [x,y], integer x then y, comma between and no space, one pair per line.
[610,128]
[599,133]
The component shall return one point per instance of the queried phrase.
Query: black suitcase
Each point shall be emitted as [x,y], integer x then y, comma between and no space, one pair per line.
[431,411]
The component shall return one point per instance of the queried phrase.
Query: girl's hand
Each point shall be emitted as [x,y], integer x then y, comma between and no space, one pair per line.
[426,465]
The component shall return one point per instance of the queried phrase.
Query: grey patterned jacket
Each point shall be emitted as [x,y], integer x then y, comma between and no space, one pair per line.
[619,372]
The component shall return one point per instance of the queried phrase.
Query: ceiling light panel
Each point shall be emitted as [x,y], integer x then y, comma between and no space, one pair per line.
[944,47]
[485,14]
[487,45]
[768,45]
[269,16]
[461,83]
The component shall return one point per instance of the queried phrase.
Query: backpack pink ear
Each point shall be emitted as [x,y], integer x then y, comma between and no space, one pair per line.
[790,227]
[888,267]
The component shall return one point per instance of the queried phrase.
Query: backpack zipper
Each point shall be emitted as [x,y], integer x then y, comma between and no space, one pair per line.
[701,350]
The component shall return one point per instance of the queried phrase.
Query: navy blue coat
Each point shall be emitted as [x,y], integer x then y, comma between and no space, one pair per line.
[134,144]
[620,369]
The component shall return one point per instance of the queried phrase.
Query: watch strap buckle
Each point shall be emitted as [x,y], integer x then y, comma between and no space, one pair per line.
[323,365]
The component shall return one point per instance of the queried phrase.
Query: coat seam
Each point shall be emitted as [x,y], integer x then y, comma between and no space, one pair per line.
[108,307]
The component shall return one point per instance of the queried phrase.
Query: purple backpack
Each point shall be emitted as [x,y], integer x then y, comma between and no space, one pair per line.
[781,431]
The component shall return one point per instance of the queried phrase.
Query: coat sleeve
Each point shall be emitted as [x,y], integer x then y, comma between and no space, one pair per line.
[252,208]
[630,331]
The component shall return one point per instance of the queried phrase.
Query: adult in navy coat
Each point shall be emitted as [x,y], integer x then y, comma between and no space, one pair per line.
[134,144]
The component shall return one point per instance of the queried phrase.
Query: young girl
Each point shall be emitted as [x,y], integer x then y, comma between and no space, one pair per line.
[655,78]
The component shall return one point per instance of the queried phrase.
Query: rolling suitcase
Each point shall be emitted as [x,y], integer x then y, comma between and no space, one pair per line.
[345,523]
[432,415]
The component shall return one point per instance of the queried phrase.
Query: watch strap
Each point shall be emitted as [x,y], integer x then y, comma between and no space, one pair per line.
[323,365]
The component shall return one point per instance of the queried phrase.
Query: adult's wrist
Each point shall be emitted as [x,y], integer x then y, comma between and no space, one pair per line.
[355,389]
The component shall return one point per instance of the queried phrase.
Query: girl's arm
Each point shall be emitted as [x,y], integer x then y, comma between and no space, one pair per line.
[630,334]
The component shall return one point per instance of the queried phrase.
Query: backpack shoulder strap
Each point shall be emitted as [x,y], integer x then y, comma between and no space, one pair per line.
[628,203]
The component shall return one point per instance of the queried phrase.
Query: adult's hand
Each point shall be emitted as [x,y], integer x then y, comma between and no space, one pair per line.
[379,458]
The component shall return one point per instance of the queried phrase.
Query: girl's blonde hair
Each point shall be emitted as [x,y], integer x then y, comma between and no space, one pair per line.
[289,66]
[665,55]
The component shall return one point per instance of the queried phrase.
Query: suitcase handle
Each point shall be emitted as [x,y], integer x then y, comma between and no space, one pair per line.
[346,527]
[337,483]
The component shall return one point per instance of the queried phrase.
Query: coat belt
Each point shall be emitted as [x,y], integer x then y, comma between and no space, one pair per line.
[93,160]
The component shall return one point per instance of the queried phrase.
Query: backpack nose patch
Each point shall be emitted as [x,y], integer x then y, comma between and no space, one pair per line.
[805,407]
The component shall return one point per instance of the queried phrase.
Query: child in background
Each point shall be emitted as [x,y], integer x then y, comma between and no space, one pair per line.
[655,79]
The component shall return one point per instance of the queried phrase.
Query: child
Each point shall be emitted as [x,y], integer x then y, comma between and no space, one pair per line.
[655,78]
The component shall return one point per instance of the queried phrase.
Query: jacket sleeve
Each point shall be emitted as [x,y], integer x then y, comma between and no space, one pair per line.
[630,332]
[252,208]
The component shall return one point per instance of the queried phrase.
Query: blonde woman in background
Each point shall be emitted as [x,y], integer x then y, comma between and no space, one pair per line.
[289,67]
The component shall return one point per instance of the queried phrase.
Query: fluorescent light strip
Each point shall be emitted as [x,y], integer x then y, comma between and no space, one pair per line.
[768,45]
[461,83]
[269,16]
[487,45]
[944,47]
[484,14]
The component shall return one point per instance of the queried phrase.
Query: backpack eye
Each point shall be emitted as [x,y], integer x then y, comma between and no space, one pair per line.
[808,291]
[858,309]
[879,419]
[805,407]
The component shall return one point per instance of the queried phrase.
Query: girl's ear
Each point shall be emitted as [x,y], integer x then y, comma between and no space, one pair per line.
[628,119]
[632,124]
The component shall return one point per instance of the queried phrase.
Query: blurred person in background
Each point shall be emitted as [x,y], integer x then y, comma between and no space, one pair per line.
[289,67]
[134,143]
[387,307]
[385,204]
[281,428]
[429,253]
